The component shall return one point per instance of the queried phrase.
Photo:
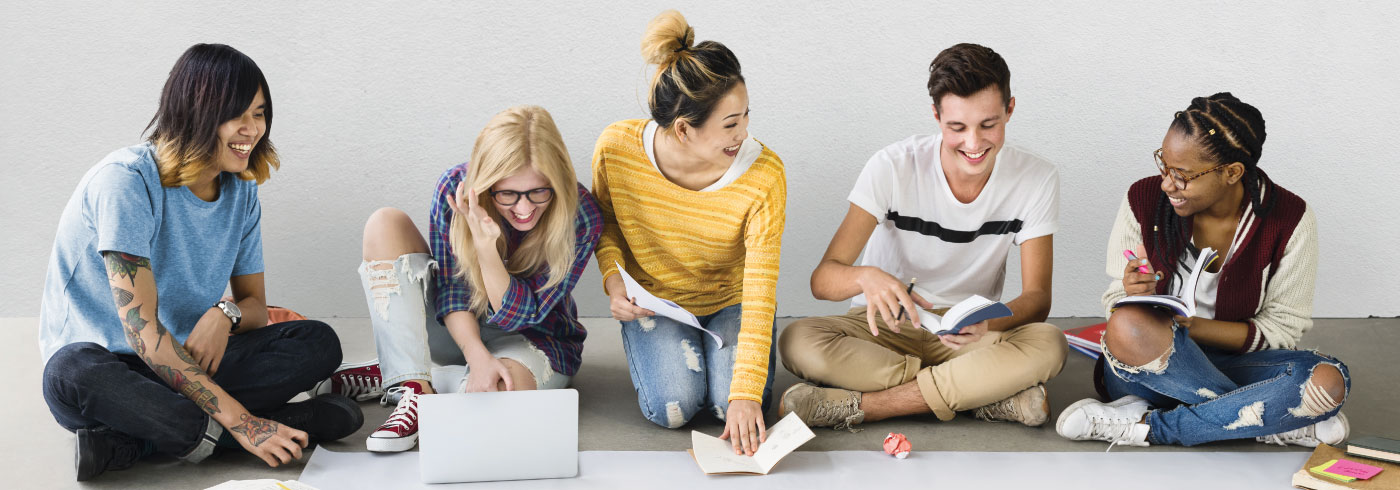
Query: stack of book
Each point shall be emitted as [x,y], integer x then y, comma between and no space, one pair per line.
[1369,462]
[1087,340]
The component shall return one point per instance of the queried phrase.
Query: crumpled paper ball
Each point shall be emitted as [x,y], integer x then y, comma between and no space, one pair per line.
[897,445]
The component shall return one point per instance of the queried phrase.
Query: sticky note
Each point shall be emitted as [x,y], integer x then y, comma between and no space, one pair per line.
[1353,469]
[1322,470]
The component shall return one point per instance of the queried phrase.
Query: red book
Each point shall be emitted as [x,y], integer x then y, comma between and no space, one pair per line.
[1087,340]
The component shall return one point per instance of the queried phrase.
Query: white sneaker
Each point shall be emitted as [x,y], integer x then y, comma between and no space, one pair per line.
[400,431]
[1115,422]
[1331,431]
[360,381]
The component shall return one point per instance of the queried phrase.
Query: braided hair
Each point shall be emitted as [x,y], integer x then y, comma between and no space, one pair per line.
[1228,131]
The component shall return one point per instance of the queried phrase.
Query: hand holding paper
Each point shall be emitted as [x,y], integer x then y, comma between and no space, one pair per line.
[661,306]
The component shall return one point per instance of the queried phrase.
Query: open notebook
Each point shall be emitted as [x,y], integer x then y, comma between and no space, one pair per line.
[1184,305]
[967,312]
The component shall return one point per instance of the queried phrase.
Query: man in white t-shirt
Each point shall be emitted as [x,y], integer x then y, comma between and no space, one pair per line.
[943,210]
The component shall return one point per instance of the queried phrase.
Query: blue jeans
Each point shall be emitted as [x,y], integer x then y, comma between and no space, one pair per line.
[1203,394]
[679,371]
[87,386]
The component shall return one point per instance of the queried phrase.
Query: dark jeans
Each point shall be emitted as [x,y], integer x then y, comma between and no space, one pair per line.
[85,385]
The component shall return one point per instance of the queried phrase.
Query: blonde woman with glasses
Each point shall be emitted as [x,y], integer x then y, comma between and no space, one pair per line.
[509,233]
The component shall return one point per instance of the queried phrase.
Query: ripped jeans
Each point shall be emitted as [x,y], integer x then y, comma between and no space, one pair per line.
[1203,395]
[402,294]
[679,371]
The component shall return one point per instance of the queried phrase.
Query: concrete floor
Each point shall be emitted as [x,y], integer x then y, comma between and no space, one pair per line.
[39,454]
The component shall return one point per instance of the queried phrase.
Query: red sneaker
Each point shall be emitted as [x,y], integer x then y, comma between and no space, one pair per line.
[359,381]
[400,432]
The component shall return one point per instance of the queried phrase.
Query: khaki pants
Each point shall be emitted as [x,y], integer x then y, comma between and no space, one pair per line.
[839,351]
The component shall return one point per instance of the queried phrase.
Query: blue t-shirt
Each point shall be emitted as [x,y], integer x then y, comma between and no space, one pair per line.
[194,248]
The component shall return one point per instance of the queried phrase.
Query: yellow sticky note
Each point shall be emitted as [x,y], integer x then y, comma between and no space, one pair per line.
[1322,470]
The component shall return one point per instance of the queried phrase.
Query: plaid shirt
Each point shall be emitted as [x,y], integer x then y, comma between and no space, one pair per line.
[547,318]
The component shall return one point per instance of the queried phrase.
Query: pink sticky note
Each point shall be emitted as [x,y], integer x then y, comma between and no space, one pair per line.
[1353,469]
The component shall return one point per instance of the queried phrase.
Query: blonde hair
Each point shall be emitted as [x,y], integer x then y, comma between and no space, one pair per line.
[690,78]
[518,138]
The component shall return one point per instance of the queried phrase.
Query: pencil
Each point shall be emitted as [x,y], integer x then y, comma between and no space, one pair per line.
[899,318]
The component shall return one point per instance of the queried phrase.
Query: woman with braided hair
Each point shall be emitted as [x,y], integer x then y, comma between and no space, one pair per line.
[1232,371]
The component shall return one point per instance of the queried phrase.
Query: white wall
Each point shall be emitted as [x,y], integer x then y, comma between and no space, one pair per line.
[374,101]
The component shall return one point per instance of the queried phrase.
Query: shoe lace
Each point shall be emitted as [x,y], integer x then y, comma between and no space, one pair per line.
[359,385]
[1113,430]
[844,413]
[1292,436]
[996,412]
[405,415]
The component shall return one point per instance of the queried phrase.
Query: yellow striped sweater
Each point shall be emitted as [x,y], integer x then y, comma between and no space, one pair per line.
[702,250]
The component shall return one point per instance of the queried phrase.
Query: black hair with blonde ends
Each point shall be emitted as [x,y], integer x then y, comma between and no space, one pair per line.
[690,79]
[209,85]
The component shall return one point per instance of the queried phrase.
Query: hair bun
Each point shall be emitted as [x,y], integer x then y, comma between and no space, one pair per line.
[667,35]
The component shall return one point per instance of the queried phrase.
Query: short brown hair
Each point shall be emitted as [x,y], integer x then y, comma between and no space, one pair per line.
[966,69]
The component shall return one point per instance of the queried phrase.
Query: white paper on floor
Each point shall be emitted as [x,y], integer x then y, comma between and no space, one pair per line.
[649,470]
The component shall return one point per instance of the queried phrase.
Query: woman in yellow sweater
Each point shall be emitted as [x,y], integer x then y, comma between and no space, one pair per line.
[693,208]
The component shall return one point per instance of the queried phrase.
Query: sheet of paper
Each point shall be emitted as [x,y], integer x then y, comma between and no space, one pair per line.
[717,456]
[661,306]
[261,485]
[650,470]
[783,437]
[1353,469]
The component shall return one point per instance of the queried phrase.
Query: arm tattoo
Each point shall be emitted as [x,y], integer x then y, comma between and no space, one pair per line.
[134,323]
[122,297]
[194,390]
[256,430]
[120,264]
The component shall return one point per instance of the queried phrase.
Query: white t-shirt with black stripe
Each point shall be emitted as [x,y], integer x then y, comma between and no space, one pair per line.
[954,249]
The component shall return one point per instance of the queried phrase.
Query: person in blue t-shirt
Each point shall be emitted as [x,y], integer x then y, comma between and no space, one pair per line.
[141,353]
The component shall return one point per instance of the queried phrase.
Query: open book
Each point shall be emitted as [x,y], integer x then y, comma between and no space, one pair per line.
[661,306]
[967,312]
[716,456]
[1184,305]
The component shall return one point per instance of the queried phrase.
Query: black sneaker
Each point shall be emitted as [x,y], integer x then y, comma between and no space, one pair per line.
[327,417]
[102,449]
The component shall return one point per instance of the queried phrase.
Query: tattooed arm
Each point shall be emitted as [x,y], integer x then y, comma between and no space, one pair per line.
[134,291]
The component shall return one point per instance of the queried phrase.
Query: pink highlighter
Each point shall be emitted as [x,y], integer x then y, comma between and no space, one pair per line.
[1133,258]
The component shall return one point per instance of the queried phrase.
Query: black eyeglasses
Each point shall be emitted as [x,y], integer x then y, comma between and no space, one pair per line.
[1174,174]
[539,195]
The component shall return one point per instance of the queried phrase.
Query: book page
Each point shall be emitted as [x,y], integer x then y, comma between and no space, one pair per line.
[662,307]
[783,438]
[1188,290]
[973,310]
[717,456]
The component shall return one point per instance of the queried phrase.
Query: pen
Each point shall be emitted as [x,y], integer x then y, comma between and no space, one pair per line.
[1133,258]
[897,319]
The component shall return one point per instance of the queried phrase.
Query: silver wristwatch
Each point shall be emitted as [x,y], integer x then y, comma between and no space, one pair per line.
[231,311]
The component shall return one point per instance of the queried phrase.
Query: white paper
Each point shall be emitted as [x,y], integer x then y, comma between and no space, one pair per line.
[661,306]
[717,456]
[650,470]
[261,485]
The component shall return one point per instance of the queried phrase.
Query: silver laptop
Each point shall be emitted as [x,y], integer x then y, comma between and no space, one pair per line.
[510,435]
